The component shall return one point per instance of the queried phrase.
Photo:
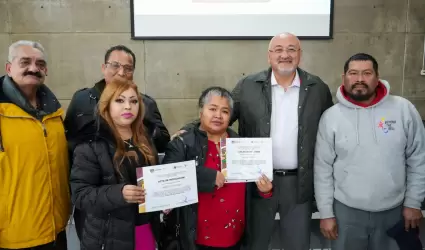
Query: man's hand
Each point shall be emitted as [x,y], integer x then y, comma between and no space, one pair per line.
[329,228]
[264,184]
[412,218]
[177,134]
[219,179]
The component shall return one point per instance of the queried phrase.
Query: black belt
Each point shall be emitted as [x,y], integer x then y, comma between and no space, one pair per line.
[285,172]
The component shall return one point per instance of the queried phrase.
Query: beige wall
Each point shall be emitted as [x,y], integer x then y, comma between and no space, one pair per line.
[76,34]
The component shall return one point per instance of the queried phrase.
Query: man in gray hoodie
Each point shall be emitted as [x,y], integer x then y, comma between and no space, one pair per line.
[369,169]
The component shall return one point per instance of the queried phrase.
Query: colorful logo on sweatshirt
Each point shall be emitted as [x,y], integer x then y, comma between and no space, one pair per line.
[386,125]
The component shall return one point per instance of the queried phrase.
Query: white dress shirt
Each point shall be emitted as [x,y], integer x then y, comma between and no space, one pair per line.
[284,123]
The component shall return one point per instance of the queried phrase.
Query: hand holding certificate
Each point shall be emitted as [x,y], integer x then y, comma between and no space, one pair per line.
[247,159]
[168,186]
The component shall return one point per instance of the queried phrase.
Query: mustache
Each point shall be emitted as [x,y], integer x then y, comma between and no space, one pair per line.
[282,59]
[363,84]
[36,74]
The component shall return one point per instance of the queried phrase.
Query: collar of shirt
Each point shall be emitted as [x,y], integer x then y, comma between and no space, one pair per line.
[295,83]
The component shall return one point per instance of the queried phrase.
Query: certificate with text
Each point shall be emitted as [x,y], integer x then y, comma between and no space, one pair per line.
[248,158]
[168,186]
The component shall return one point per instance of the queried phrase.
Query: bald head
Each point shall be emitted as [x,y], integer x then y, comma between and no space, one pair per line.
[282,37]
[284,54]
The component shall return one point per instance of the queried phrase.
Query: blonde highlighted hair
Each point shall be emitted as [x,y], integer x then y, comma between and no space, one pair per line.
[140,139]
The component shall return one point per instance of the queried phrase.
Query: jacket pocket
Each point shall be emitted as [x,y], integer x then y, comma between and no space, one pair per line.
[4,191]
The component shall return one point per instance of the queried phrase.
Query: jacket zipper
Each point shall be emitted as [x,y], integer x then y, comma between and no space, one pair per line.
[44,129]
[106,231]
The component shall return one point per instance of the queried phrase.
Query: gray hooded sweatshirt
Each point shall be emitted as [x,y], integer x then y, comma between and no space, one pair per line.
[370,158]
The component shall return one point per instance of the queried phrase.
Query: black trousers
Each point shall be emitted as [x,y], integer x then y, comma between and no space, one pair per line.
[235,247]
[295,219]
[59,244]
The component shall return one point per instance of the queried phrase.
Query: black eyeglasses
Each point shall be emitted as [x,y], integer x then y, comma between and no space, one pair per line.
[115,66]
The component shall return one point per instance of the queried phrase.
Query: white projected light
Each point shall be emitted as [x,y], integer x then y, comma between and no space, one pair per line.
[186,19]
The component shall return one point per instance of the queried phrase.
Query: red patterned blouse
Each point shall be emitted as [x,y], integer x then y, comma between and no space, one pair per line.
[221,214]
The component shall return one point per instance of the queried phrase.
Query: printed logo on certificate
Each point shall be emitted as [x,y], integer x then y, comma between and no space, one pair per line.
[247,159]
[168,186]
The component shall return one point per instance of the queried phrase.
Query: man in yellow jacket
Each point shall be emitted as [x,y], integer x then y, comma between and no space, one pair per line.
[34,168]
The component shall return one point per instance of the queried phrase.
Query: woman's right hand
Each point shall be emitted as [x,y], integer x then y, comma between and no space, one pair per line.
[219,179]
[133,194]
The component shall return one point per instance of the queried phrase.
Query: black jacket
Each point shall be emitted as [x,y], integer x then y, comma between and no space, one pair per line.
[79,118]
[192,145]
[106,220]
[253,109]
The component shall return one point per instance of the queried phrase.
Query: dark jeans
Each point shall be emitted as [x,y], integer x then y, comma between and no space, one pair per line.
[235,247]
[59,244]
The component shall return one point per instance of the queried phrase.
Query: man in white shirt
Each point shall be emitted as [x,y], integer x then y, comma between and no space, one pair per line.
[285,103]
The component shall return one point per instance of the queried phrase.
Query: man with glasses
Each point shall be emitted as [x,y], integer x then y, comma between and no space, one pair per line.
[119,64]
[34,165]
[285,103]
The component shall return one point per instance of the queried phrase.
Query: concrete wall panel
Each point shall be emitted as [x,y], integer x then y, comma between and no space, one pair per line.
[178,112]
[4,44]
[416,22]
[414,84]
[371,19]
[184,69]
[70,16]
[4,17]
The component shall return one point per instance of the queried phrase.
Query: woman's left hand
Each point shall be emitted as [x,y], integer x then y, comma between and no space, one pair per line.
[264,184]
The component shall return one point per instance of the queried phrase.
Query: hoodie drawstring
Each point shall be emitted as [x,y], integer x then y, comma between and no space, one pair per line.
[357,126]
[373,125]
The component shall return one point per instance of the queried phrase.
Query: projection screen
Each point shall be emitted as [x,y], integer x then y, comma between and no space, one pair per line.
[230,19]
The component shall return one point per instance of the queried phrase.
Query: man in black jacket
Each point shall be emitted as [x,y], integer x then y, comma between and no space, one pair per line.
[79,122]
[120,63]
[284,103]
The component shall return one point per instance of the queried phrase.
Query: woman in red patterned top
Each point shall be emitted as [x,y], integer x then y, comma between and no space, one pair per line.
[218,221]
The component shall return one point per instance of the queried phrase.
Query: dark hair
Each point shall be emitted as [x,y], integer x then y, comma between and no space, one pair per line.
[215,91]
[361,57]
[120,48]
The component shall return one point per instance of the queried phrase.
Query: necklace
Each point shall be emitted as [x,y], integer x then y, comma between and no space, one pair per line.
[130,144]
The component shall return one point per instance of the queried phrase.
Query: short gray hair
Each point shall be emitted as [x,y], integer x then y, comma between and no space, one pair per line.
[15,45]
[206,95]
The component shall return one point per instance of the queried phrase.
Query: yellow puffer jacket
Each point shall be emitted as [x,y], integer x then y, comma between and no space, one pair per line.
[34,171]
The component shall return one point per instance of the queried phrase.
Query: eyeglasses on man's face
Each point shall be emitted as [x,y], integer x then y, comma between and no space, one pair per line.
[289,51]
[115,66]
